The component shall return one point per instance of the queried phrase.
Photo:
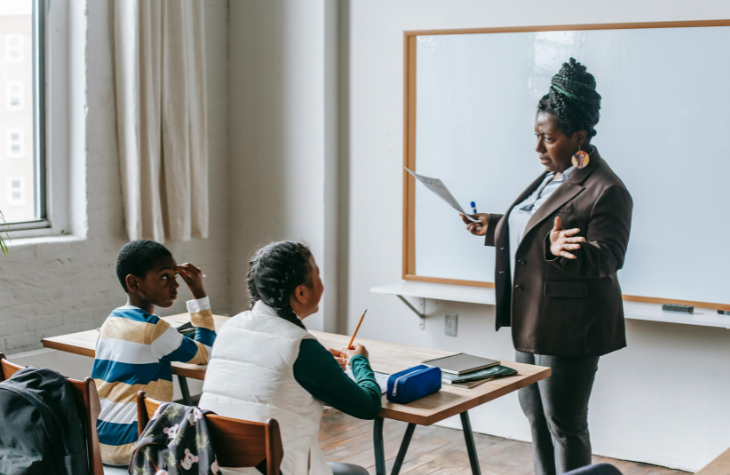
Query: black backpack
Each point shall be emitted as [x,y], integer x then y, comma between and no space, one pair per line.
[40,428]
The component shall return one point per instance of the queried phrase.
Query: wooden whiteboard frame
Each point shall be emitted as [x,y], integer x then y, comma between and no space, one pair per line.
[409,138]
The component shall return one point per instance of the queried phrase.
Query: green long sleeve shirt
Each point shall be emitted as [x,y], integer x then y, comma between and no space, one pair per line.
[318,372]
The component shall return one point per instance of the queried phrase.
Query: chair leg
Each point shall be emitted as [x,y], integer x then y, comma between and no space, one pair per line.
[184,390]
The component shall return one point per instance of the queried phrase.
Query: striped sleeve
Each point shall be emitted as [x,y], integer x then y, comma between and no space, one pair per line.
[167,344]
[201,317]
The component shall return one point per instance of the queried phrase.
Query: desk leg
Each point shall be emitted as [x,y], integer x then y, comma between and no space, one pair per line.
[403,449]
[470,446]
[379,448]
[184,390]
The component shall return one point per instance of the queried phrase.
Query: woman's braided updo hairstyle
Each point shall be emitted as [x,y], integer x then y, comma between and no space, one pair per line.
[275,272]
[573,99]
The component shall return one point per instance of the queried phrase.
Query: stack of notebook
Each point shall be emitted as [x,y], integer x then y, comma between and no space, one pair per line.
[467,371]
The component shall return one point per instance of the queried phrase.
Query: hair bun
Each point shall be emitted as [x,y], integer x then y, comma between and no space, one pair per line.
[573,99]
[574,81]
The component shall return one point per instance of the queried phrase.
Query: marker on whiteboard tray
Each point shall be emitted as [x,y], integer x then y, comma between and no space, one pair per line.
[723,311]
[473,207]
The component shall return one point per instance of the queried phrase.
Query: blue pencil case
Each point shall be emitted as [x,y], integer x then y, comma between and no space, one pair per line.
[413,383]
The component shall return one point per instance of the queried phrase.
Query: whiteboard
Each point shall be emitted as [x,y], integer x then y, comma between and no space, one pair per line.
[664,129]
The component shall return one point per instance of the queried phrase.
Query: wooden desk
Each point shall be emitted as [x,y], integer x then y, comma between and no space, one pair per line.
[384,357]
[391,358]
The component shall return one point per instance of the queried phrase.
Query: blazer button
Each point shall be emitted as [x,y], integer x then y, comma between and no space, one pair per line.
[501,272]
[502,248]
[518,287]
[521,262]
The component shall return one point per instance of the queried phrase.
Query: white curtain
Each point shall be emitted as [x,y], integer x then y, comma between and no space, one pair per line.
[161,117]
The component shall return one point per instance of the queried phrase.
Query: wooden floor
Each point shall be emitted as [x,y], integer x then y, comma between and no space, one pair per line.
[438,450]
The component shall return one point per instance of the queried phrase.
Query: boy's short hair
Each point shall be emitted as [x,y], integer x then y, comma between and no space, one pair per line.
[137,258]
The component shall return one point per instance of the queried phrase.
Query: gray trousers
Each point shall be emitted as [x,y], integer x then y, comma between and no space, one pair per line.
[557,408]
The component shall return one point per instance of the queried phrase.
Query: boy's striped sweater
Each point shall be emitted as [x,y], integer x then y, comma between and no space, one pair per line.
[134,353]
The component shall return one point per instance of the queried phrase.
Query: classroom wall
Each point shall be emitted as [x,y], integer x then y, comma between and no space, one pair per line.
[663,399]
[283,137]
[52,286]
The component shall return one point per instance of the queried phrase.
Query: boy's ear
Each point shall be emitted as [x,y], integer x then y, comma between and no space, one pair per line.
[132,282]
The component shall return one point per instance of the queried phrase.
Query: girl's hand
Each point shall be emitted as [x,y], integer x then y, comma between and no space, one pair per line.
[477,229]
[356,349]
[193,277]
[562,240]
[340,357]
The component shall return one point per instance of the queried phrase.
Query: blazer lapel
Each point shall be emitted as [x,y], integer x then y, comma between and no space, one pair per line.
[528,191]
[565,192]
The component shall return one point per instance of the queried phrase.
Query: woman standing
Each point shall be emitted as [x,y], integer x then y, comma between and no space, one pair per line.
[559,247]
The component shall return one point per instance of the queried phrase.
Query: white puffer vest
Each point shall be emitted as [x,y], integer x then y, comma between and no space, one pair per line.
[250,376]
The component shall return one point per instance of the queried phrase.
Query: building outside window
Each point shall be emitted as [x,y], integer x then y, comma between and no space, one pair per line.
[14,96]
[13,48]
[15,143]
[16,191]
[22,168]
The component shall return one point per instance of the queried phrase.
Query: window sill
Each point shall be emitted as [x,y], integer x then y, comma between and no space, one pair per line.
[36,240]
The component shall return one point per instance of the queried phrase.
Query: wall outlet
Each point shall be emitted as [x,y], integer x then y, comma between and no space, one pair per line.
[452,324]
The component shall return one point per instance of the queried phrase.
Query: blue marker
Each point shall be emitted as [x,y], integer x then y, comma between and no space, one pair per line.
[473,207]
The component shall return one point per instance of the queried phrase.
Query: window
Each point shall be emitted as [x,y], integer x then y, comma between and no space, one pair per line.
[13,48]
[23,189]
[14,95]
[16,191]
[15,143]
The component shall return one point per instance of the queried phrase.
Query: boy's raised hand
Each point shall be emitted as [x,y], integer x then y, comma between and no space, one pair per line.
[193,277]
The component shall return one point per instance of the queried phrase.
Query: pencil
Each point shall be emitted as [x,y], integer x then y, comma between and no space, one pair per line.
[356,329]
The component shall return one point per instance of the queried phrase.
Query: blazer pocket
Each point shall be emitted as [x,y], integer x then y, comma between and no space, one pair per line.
[556,289]
[566,209]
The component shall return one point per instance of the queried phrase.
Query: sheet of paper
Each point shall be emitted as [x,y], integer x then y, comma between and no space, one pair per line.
[381,378]
[438,187]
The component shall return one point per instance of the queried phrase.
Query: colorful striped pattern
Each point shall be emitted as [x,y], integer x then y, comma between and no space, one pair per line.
[134,353]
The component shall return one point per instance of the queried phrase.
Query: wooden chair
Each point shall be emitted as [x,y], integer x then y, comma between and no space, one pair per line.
[237,443]
[87,401]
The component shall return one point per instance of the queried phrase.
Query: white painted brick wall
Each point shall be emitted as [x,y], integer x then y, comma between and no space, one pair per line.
[55,288]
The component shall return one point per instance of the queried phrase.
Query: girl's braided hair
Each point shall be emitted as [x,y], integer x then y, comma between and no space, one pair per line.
[275,271]
[573,99]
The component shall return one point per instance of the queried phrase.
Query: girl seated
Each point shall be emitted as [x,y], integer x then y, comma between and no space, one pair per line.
[265,364]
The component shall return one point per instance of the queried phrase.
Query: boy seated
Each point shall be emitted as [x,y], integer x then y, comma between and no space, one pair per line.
[135,347]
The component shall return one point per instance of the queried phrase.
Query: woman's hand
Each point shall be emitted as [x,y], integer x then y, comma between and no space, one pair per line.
[562,240]
[356,349]
[340,357]
[477,229]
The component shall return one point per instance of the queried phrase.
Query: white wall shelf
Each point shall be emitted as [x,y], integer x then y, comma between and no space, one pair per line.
[633,310]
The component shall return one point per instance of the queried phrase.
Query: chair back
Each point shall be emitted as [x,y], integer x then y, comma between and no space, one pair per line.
[87,402]
[237,443]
